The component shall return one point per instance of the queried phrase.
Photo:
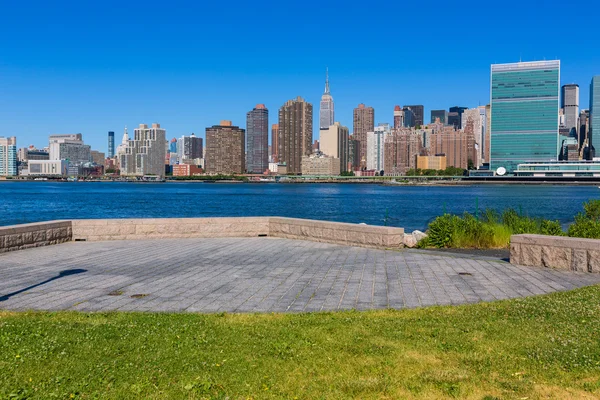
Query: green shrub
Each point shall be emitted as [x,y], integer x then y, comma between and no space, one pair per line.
[441,230]
[587,224]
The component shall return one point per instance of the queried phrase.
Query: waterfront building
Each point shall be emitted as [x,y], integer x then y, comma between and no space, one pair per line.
[69,147]
[594,116]
[47,168]
[524,113]
[97,157]
[570,107]
[273,168]
[401,148]
[376,146]
[441,114]
[25,154]
[225,149]
[8,156]
[257,138]
[418,112]
[111,144]
[334,143]
[326,110]
[363,122]
[482,143]
[275,143]
[295,134]
[432,162]
[145,153]
[558,169]
[318,164]
[186,170]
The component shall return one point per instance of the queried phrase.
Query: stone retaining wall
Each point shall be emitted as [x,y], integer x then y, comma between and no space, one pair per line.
[336,232]
[161,228]
[45,233]
[18,237]
[559,252]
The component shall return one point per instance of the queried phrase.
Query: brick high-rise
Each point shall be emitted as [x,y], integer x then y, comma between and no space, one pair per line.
[295,133]
[225,149]
[275,143]
[257,131]
[364,121]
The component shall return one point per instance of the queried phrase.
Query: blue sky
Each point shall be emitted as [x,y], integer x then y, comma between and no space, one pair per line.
[68,67]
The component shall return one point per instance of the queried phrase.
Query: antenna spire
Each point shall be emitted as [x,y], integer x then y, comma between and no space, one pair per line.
[327,80]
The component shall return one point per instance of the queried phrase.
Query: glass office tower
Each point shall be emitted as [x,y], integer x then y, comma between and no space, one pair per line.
[524,108]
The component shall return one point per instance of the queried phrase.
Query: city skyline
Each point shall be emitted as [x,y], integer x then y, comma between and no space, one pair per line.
[93,82]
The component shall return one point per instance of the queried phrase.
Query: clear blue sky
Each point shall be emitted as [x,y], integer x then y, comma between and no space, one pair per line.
[68,67]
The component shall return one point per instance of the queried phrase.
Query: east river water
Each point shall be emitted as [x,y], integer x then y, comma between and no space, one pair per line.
[411,207]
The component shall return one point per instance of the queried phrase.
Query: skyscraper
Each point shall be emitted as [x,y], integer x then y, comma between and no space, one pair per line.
[145,154]
[376,147]
[8,156]
[364,121]
[111,144]
[275,143]
[455,116]
[570,106]
[326,111]
[295,133]
[190,147]
[524,113]
[225,149]
[257,134]
[441,114]
[418,111]
[594,114]
[334,143]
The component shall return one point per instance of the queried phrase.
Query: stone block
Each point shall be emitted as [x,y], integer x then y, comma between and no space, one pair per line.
[531,255]
[556,257]
[579,260]
[593,257]
[515,253]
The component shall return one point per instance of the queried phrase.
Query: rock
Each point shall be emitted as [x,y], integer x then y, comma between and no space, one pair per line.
[418,235]
[409,240]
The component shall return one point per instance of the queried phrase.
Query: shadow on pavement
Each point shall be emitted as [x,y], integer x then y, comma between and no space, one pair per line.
[61,274]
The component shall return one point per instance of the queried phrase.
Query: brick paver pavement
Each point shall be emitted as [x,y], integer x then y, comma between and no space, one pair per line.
[258,275]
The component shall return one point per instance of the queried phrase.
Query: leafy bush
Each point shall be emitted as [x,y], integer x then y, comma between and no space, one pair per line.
[587,224]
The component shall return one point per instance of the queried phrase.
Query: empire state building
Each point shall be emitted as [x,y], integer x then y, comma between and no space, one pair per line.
[326,109]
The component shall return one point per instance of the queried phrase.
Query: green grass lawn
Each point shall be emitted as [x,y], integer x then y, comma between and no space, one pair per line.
[541,347]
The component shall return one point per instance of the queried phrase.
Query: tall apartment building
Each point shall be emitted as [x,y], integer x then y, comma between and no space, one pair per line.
[594,115]
[451,143]
[364,121]
[353,149]
[334,143]
[570,106]
[225,149]
[524,108]
[144,154]
[295,133]
[401,148]
[111,144]
[326,109]
[275,143]
[488,133]
[418,112]
[376,147]
[8,156]
[398,117]
[257,138]
[190,147]
[441,114]
[471,123]
[483,142]
[69,147]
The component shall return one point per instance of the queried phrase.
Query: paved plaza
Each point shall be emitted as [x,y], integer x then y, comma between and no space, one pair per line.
[258,275]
